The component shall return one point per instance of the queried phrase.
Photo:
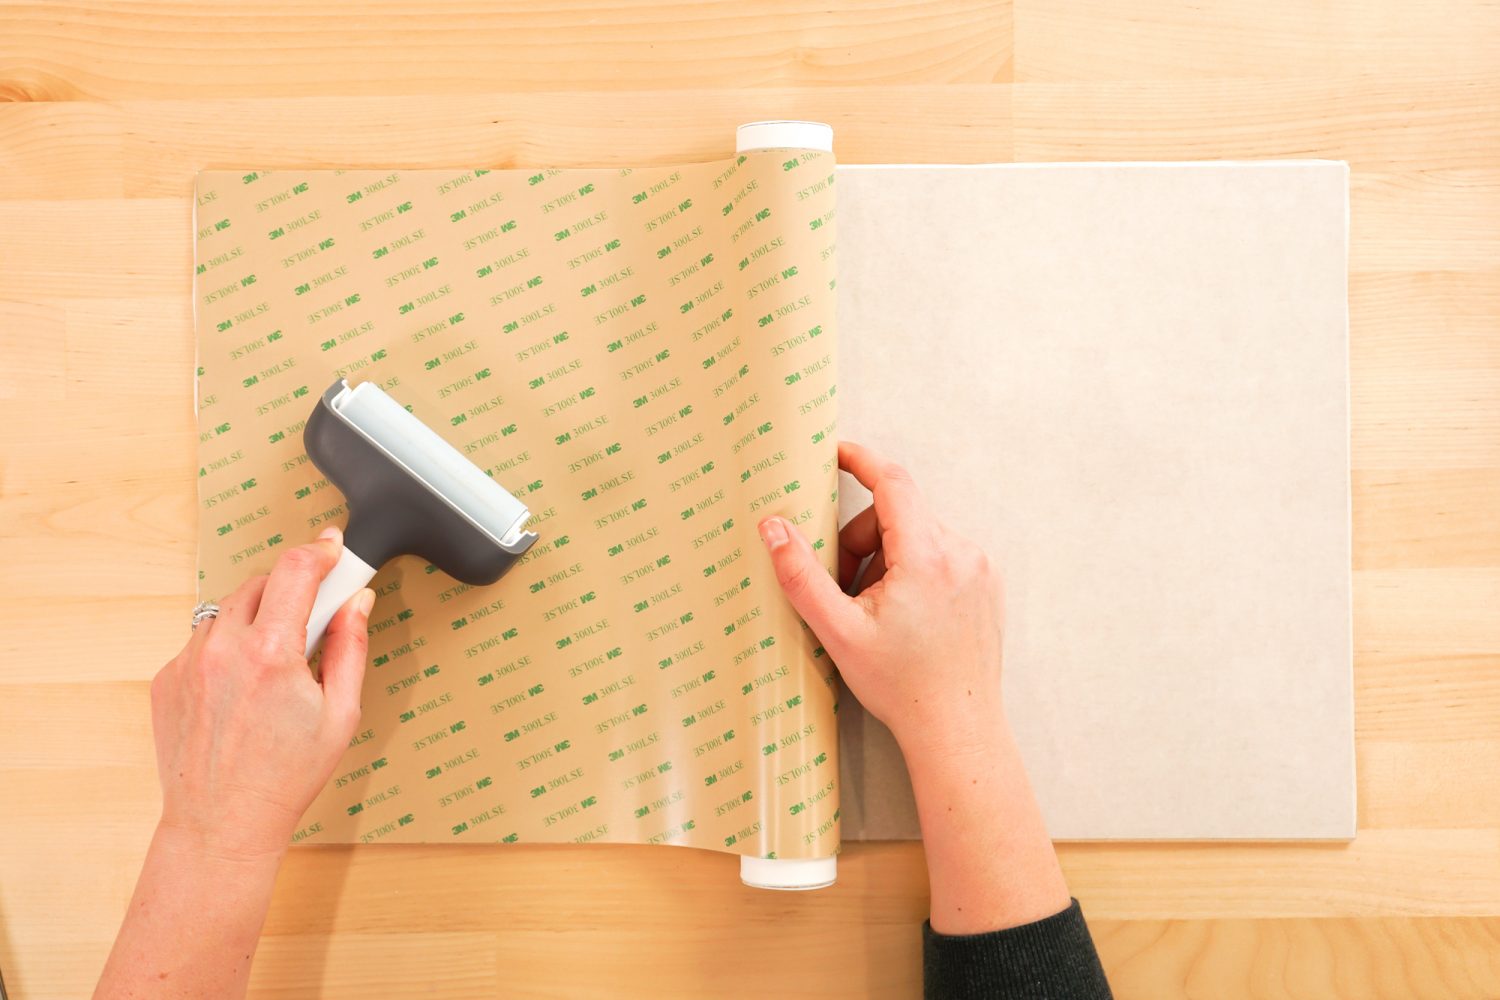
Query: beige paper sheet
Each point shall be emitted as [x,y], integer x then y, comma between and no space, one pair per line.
[646,357]
[1129,382]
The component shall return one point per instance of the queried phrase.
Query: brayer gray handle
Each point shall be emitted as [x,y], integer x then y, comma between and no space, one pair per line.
[348,576]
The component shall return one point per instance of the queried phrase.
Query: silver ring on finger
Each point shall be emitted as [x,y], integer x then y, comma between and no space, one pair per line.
[203,611]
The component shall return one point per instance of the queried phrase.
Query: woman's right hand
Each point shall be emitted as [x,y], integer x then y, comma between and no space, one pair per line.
[919,642]
[919,646]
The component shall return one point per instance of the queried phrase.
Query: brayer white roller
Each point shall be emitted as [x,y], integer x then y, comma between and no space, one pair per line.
[408,491]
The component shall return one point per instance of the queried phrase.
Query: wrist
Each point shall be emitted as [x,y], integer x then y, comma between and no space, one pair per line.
[990,862]
[196,915]
[956,737]
[221,848]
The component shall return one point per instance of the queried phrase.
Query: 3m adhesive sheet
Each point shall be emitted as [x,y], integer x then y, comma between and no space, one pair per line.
[646,358]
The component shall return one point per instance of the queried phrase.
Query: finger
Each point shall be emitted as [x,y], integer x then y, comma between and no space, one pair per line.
[345,646]
[237,609]
[848,567]
[828,611]
[857,539]
[287,602]
[196,640]
[241,605]
[873,573]
[861,535]
[898,504]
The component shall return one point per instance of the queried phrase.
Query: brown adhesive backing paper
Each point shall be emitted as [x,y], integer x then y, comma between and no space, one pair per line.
[646,358]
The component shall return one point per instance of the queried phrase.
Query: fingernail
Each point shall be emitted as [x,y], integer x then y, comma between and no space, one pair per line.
[365,602]
[773,532]
[332,531]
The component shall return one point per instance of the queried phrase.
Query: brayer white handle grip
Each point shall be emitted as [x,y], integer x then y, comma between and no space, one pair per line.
[347,578]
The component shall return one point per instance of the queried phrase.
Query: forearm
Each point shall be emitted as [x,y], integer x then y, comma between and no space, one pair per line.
[193,921]
[990,863]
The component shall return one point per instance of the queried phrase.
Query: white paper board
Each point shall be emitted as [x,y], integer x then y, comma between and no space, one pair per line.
[1129,382]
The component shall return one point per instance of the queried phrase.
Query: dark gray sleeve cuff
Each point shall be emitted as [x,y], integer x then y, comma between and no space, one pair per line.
[1051,959]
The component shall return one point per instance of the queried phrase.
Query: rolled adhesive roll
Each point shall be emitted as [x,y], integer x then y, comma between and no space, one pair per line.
[783,135]
[786,873]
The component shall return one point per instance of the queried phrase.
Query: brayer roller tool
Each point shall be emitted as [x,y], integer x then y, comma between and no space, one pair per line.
[408,492]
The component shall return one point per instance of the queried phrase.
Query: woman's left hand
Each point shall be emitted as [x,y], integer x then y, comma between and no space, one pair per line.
[246,737]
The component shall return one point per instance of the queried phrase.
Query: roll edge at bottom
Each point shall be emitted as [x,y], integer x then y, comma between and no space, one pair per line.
[788,873]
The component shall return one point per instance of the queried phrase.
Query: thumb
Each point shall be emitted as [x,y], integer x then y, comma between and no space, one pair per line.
[828,611]
[344,648]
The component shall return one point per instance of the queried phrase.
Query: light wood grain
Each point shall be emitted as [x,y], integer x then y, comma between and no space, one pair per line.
[162,49]
[113,107]
[1374,959]
[1067,41]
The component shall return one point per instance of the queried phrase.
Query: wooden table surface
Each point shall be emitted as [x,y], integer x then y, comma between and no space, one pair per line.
[108,109]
